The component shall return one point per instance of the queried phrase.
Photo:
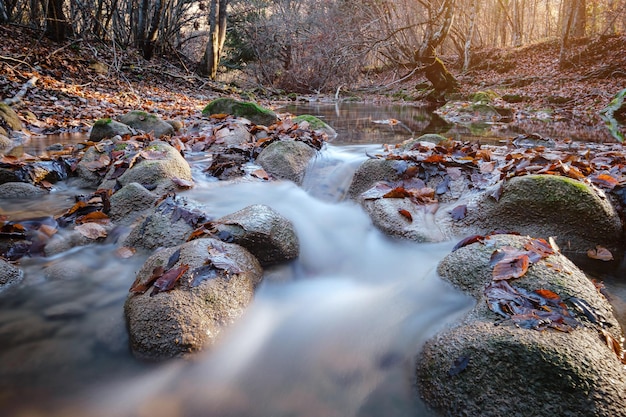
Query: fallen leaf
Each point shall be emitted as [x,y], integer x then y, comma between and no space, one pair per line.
[261,174]
[92,230]
[93,217]
[468,241]
[601,253]
[509,264]
[183,183]
[406,214]
[168,280]
[125,252]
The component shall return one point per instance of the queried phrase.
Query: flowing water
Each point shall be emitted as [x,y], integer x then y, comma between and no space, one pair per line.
[333,333]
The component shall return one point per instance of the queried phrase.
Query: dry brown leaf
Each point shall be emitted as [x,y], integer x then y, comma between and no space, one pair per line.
[601,253]
[91,230]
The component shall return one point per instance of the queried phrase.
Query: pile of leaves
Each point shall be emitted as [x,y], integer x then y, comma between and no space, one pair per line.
[483,166]
[541,308]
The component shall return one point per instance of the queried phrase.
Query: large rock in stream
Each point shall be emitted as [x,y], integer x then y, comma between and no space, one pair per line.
[216,284]
[157,166]
[551,358]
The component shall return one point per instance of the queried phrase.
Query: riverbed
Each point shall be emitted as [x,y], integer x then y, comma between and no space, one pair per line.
[333,333]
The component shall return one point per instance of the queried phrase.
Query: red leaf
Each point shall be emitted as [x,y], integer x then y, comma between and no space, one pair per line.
[397,192]
[540,247]
[511,264]
[468,241]
[406,214]
[139,287]
[168,280]
[605,180]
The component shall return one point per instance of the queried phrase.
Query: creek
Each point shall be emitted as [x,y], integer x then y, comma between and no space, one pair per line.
[333,333]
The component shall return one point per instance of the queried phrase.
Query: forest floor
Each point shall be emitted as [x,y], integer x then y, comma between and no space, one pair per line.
[79,82]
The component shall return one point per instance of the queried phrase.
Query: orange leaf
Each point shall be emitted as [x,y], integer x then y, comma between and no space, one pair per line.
[93,217]
[511,265]
[406,214]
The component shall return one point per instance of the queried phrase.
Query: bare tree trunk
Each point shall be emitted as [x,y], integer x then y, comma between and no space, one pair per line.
[149,43]
[467,57]
[4,17]
[217,35]
[56,23]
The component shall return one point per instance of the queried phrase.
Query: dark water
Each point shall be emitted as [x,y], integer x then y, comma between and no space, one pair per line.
[334,333]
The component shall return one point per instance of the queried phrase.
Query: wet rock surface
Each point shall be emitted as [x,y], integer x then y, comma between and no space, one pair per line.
[217,285]
[488,365]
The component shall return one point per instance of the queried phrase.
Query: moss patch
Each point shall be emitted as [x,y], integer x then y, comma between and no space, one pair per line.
[102,122]
[251,111]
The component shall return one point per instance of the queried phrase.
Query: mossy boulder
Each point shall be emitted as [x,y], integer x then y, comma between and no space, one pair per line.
[213,292]
[107,128]
[315,123]
[251,111]
[147,122]
[488,366]
[578,216]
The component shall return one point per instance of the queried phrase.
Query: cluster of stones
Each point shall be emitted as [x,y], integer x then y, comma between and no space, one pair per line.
[484,365]
[187,318]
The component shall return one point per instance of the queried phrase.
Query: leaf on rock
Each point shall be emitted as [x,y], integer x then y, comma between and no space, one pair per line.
[174,257]
[406,214]
[139,287]
[221,260]
[125,252]
[92,230]
[261,174]
[183,183]
[397,192]
[468,241]
[509,263]
[616,346]
[168,280]
[93,217]
[601,253]
[459,365]
[539,247]
[377,191]
[604,180]
[459,212]
[202,273]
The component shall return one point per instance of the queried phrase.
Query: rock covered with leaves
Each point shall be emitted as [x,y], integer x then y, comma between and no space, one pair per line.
[541,340]
[431,192]
[184,295]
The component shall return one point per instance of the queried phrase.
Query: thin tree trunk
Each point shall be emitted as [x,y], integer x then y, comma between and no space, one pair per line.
[149,43]
[217,35]
[467,57]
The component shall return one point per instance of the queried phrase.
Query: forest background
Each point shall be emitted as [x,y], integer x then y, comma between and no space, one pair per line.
[317,45]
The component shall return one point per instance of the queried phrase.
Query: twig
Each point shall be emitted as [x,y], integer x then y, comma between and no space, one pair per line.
[20,94]
[63,47]
[8,58]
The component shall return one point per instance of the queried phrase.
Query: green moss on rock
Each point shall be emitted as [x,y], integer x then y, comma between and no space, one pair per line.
[102,122]
[249,110]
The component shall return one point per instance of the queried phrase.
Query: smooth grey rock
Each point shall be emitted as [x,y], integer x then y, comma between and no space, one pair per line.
[263,231]
[162,171]
[149,123]
[169,224]
[130,202]
[286,160]
[20,190]
[189,318]
[107,129]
